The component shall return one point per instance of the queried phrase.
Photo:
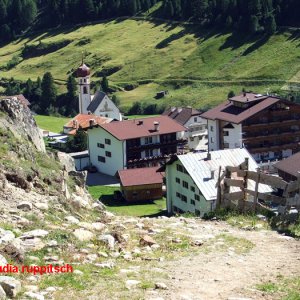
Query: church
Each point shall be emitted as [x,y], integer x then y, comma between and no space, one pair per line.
[99,104]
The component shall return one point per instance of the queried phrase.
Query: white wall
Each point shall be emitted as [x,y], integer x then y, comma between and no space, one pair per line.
[84,99]
[81,163]
[173,187]
[108,109]
[197,139]
[234,139]
[213,135]
[116,162]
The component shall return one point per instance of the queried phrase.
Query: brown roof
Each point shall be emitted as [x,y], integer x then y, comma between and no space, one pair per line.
[181,114]
[290,165]
[248,97]
[140,176]
[83,121]
[83,71]
[230,113]
[131,129]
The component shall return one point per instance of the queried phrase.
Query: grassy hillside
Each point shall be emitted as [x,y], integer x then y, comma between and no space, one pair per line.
[197,67]
[53,124]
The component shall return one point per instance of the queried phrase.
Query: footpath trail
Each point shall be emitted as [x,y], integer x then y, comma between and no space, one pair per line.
[226,274]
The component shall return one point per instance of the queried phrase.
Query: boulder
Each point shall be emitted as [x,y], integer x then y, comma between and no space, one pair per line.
[34,244]
[41,206]
[109,240]
[10,285]
[72,220]
[2,293]
[35,296]
[15,250]
[83,234]
[132,284]
[25,206]
[6,236]
[147,240]
[161,286]
[98,226]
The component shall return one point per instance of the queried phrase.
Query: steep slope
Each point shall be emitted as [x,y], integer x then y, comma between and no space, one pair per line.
[165,56]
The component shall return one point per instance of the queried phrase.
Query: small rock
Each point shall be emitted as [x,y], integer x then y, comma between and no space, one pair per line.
[33,244]
[35,296]
[132,284]
[51,289]
[83,235]
[33,278]
[31,288]
[3,261]
[197,243]
[91,257]
[161,286]
[109,240]
[37,233]
[52,244]
[41,206]
[78,272]
[6,236]
[98,226]
[103,254]
[72,220]
[147,240]
[10,285]
[108,265]
[25,206]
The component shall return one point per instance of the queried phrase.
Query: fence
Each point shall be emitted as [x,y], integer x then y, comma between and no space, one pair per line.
[247,199]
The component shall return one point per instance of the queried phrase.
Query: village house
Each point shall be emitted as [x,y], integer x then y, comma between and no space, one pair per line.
[191,179]
[141,184]
[196,134]
[289,168]
[84,121]
[267,126]
[145,142]
[98,104]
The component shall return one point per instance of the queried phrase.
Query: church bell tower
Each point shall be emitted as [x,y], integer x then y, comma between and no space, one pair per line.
[83,75]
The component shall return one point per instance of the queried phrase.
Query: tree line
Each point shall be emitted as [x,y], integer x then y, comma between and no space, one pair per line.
[243,15]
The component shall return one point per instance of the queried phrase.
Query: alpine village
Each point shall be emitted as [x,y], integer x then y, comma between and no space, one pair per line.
[150,149]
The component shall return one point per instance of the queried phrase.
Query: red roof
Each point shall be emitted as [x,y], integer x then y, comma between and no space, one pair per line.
[83,121]
[140,176]
[130,129]
[230,113]
[83,71]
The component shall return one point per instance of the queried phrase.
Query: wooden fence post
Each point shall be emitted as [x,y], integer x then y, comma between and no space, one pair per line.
[245,183]
[256,190]
[218,205]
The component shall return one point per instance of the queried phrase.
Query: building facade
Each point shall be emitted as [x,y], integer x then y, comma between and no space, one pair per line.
[267,126]
[196,133]
[129,144]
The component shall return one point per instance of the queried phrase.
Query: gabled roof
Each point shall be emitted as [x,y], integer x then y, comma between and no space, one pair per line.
[131,129]
[98,98]
[83,121]
[228,112]
[290,165]
[200,169]
[140,176]
[181,114]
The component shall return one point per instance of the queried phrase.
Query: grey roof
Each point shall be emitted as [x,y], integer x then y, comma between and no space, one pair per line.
[199,168]
[98,98]
[181,114]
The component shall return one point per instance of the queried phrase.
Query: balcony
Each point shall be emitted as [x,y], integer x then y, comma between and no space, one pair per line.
[157,145]
[272,122]
[248,136]
[278,147]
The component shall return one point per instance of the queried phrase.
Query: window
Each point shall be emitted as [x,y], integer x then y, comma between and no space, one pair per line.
[193,202]
[179,168]
[211,140]
[184,198]
[148,152]
[99,145]
[108,153]
[177,180]
[191,139]
[178,195]
[212,128]
[197,197]
[107,141]
[185,184]
[195,119]
[226,145]
[226,133]
[192,189]
[101,159]
[106,115]
[148,140]
[85,90]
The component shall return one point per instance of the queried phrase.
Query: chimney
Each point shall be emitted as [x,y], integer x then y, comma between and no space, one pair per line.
[156,126]
[245,94]
[89,112]
[212,174]
[208,156]
[92,122]
[140,122]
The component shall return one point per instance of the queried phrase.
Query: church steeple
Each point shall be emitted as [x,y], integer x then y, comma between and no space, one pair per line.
[83,75]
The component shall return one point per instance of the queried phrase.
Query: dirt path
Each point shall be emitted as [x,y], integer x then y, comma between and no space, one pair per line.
[227,275]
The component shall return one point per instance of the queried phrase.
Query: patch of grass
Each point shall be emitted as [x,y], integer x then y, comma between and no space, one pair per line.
[282,288]
[225,242]
[50,123]
[105,194]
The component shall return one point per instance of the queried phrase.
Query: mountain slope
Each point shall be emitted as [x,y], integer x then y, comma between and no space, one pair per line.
[168,56]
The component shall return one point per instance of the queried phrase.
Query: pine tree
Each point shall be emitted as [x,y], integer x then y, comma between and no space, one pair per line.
[48,97]
[3,12]
[28,89]
[104,84]
[270,25]
[253,25]
[71,106]
[29,11]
